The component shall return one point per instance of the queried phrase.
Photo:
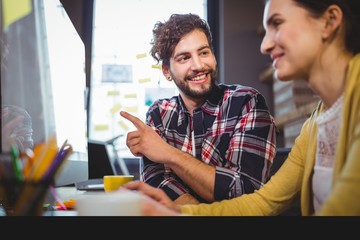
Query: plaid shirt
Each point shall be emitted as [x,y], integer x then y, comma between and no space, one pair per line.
[233,131]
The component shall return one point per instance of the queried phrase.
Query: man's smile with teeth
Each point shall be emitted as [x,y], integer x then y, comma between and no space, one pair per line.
[197,78]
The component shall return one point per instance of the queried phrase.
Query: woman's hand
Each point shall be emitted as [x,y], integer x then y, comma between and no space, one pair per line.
[155,202]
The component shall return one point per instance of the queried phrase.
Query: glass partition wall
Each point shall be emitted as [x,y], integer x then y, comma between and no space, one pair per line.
[43,82]
[42,71]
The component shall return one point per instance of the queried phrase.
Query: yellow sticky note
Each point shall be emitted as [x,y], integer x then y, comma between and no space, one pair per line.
[130,95]
[15,10]
[113,93]
[158,66]
[101,127]
[144,80]
[141,55]
[116,108]
[123,125]
[133,109]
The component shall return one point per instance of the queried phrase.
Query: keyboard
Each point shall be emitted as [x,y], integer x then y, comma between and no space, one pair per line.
[96,184]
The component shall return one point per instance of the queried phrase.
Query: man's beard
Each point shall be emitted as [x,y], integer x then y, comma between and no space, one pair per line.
[196,94]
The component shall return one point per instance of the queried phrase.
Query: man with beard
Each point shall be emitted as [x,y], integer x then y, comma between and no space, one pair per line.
[212,141]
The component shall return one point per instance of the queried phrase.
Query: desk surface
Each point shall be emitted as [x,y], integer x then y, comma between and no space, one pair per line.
[70,192]
[66,193]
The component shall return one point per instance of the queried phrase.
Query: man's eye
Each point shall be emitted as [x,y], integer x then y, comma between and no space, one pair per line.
[183,59]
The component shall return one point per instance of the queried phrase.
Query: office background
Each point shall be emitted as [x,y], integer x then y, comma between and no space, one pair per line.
[237,34]
[236,28]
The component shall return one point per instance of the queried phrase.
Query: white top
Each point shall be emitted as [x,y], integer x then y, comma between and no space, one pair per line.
[328,132]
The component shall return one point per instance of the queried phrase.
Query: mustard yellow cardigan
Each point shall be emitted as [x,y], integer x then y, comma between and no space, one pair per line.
[294,179]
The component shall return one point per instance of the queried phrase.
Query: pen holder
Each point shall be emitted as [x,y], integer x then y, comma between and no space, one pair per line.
[23,198]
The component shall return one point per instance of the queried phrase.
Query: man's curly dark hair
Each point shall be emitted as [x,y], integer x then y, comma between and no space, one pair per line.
[166,35]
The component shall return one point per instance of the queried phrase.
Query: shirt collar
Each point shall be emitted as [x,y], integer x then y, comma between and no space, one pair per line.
[210,106]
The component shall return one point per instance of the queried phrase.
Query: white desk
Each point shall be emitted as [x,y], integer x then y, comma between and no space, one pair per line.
[67,193]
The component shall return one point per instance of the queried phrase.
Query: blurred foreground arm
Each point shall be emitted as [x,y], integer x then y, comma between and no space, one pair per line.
[157,203]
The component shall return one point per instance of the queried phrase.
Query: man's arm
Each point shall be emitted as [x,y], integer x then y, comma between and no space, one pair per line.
[251,139]
[146,142]
[161,176]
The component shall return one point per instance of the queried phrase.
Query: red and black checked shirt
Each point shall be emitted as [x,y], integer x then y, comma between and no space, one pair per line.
[233,130]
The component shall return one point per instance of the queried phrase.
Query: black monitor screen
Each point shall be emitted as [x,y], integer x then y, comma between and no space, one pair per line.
[99,161]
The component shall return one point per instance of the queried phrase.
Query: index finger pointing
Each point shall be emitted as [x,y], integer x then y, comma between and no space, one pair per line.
[134,120]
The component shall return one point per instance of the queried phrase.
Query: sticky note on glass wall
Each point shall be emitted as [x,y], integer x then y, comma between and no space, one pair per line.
[144,80]
[157,66]
[101,127]
[113,93]
[140,55]
[15,10]
[123,125]
[133,109]
[130,95]
[116,108]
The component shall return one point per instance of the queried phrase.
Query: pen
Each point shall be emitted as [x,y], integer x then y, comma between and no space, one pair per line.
[62,155]
[14,151]
[47,156]
[57,198]
[28,161]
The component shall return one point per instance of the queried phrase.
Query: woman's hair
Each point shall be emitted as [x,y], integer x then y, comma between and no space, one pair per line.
[351,12]
[168,34]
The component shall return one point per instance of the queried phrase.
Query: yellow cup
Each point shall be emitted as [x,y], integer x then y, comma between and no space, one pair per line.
[114,182]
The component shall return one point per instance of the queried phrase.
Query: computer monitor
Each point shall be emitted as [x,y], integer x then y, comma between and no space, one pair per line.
[99,162]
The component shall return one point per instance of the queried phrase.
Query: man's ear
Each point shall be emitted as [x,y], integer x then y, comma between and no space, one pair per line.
[333,17]
[165,71]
